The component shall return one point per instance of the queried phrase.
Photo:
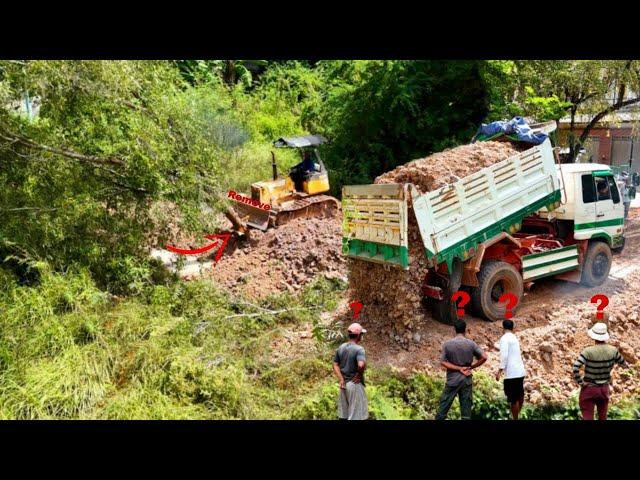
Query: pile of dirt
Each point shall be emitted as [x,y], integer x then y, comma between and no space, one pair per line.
[283,258]
[393,295]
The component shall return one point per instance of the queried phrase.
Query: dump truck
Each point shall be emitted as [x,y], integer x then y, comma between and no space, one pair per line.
[495,231]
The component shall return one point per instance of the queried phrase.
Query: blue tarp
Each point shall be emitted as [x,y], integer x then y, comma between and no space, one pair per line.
[516,126]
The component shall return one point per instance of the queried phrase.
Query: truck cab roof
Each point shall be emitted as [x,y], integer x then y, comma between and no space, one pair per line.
[583,167]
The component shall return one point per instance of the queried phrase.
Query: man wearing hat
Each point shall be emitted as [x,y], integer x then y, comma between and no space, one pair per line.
[349,364]
[598,361]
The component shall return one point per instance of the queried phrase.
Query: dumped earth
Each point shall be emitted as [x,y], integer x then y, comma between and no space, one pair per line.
[399,296]
[285,258]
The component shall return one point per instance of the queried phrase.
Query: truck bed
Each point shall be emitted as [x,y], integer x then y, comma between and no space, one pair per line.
[453,219]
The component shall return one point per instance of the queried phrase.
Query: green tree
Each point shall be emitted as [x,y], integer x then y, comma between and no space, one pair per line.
[552,89]
[379,114]
[112,138]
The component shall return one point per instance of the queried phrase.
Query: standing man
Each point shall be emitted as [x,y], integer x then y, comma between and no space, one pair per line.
[622,181]
[457,357]
[626,197]
[349,364]
[513,367]
[598,361]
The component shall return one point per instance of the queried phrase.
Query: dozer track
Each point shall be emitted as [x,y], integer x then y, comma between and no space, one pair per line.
[317,206]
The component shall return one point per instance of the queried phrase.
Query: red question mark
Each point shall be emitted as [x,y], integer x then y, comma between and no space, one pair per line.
[604,301]
[465,299]
[511,300]
[356,307]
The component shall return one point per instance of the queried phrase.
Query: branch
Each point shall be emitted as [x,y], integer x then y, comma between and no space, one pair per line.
[12,137]
[38,209]
[602,114]
[269,312]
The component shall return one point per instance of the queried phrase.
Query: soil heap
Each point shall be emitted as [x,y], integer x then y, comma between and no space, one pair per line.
[283,258]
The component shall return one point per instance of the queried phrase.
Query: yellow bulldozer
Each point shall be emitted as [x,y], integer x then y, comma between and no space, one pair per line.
[299,194]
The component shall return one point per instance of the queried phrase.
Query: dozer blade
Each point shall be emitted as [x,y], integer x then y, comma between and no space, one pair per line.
[253,216]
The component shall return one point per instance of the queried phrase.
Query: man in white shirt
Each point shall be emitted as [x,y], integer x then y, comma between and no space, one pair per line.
[513,368]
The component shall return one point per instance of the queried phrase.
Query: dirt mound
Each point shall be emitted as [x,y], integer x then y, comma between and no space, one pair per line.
[393,295]
[449,165]
[283,258]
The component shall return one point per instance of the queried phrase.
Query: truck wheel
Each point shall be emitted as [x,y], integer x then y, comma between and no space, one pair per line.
[597,263]
[445,310]
[495,278]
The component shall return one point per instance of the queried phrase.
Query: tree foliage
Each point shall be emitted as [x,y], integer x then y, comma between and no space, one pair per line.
[379,114]
[554,89]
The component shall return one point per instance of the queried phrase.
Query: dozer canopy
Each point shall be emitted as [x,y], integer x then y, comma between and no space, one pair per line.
[300,142]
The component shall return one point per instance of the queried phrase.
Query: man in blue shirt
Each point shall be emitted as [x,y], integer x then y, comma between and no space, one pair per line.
[300,171]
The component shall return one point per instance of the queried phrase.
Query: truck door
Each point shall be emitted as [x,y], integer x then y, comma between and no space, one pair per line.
[599,208]
[604,198]
[609,208]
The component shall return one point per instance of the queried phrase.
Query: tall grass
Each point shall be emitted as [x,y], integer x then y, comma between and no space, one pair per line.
[68,350]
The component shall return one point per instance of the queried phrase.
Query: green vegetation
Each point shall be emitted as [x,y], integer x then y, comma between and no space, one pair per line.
[119,151]
[187,351]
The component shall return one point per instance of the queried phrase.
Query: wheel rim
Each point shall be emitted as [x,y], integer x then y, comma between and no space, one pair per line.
[497,291]
[599,268]
[499,288]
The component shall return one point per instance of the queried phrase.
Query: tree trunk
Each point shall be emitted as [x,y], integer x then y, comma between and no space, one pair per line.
[572,150]
[605,112]
[230,72]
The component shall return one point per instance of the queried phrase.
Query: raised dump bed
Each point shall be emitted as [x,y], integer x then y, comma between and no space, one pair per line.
[453,219]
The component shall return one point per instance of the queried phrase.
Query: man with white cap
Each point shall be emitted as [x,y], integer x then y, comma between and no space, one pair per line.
[349,364]
[598,361]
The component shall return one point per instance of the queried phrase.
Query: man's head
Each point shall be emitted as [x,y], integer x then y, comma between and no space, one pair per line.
[460,326]
[599,332]
[507,325]
[355,332]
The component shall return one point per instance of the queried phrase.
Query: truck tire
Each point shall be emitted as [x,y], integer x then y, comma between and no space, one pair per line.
[445,310]
[495,278]
[597,264]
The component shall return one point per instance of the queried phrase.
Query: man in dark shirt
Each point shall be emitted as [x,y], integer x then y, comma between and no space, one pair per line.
[457,357]
[348,364]
[302,169]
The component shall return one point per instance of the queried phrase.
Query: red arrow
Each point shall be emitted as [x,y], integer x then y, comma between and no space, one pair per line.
[223,236]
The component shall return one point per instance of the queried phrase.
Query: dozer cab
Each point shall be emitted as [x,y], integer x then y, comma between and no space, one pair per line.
[299,194]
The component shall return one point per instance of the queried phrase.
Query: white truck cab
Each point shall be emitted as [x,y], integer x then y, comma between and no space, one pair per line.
[591,200]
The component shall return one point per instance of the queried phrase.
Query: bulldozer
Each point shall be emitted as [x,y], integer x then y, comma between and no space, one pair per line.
[299,194]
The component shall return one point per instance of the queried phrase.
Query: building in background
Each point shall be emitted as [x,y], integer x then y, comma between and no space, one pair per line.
[615,140]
